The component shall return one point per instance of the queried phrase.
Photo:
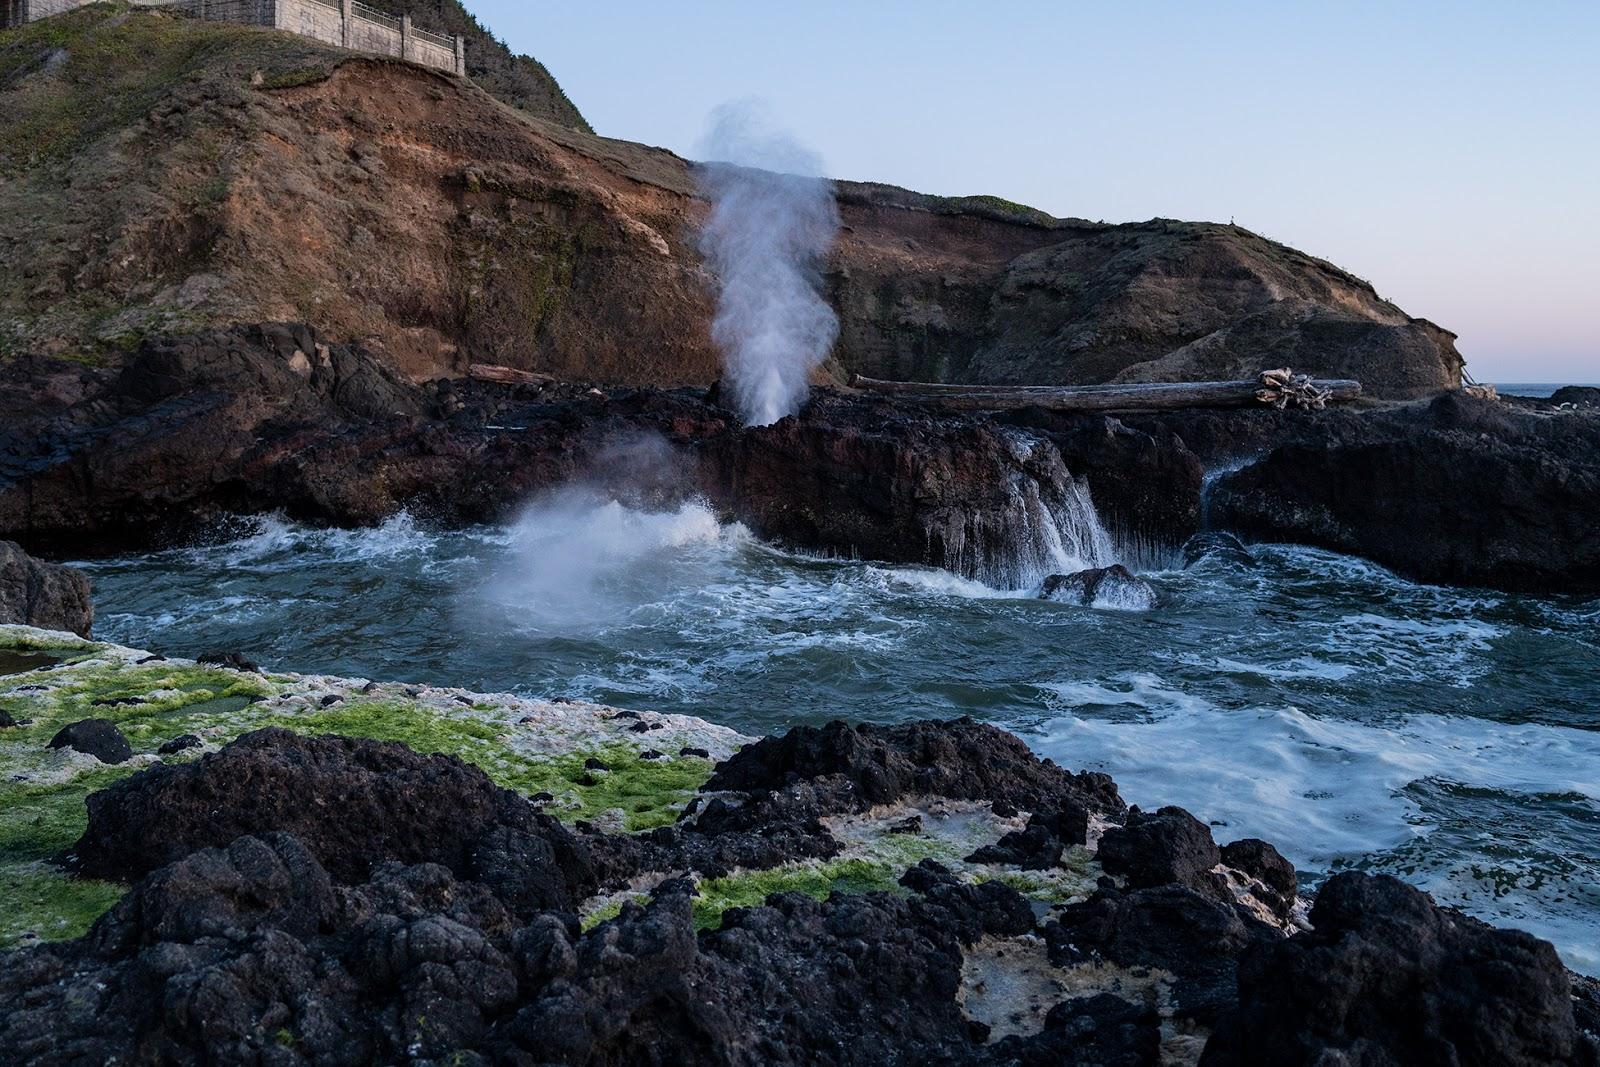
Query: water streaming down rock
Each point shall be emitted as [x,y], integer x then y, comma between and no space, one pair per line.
[1048,525]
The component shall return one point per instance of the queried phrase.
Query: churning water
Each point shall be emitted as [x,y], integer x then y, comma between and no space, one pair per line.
[1451,737]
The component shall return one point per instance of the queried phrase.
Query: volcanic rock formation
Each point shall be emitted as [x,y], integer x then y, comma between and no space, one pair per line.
[319,932]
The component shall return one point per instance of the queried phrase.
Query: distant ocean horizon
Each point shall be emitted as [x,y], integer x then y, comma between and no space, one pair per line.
[1536,388]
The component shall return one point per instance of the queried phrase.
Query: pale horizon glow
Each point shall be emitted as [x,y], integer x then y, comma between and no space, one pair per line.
[1445,152]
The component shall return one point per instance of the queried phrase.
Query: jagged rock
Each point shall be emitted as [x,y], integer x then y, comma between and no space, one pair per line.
[1166,847]
[1101,587]
[1103,1030]
[853,767]
[1195,938]
[230,954]
[1039,845]
[35,593]
[1267,866]
[1506,498]
[353,803]
[99,738]
[418,913]
[1386,977]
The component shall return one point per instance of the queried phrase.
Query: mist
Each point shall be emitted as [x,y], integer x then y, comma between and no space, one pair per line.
[771,222]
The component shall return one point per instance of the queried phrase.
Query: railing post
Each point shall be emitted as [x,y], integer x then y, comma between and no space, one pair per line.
[405,36]
[461,56]
[346,31]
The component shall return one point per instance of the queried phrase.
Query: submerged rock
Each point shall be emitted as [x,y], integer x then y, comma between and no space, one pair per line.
[1101,587]
[99,738]
[1216,544]
[35,593]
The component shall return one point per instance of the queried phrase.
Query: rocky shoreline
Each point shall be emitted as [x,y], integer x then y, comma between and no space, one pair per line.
[195,429]
[303,869]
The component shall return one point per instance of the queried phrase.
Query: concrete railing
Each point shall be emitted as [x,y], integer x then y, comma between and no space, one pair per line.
[346,23]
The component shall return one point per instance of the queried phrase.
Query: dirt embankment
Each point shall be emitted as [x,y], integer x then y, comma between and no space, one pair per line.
[166,174]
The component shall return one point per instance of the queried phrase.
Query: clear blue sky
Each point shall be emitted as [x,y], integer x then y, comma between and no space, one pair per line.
[1448,152]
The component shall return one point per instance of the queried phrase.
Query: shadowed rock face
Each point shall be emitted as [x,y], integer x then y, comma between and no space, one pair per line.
[1498,497]
[35,593]
[1363,987]
[198,427]
[333,933]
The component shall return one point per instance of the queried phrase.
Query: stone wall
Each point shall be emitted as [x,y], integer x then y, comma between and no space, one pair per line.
[345,23]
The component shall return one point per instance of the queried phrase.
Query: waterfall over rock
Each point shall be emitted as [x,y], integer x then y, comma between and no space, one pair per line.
[1047,524]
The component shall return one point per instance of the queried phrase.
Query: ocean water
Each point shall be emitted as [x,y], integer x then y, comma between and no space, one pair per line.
[1535,389]
[1451,737]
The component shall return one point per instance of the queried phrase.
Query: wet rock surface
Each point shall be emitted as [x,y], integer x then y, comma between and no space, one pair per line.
[36,593]
[388,916]
[197,428]
[1109,587]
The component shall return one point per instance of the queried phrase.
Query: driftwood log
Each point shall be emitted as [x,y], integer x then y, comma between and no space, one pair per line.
[1276,388]
[490,372]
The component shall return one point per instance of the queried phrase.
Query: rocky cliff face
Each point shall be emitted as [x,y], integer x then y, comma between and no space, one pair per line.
[164,173]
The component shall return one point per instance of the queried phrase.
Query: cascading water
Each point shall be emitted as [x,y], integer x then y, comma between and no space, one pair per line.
[1047,524]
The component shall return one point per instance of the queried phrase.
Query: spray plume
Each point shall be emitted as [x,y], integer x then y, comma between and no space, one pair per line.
[772,219]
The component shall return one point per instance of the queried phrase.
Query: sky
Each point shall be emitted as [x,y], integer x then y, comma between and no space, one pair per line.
[1449,153]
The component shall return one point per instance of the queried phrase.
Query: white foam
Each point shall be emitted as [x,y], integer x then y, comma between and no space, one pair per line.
[1326,792]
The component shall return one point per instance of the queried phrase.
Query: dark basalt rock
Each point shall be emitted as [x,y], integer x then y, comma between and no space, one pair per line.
[1579,396]
[232,660]
[1262,862]
[1112,587]
[1215,544]
[1099,1031]
[1507,499]
[1166,847]
[353,803]
[181,743]
[1039,845]
[35,593]
[233,954]
[99,738]
[418,914]
[1386,977]
[1194,937]
[853,767]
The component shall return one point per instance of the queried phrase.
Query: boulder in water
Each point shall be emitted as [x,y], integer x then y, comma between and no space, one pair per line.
[1101,587]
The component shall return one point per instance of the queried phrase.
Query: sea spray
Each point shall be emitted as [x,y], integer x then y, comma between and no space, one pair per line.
[772,219]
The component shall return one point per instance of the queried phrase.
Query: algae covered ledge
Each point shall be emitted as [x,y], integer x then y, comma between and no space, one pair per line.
[620,770]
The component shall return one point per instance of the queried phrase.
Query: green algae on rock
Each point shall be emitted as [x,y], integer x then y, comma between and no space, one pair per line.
[532,746]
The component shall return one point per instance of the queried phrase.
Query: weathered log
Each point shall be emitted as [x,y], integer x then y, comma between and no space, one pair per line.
[1269,389]
[490,372]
